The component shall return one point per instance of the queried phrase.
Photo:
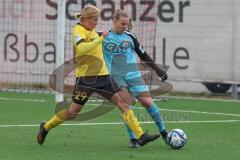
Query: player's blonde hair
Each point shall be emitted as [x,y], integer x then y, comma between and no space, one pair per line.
[121,13]
[89,11]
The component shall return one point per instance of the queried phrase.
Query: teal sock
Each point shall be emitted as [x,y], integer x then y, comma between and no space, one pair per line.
[130,132]
[154,112]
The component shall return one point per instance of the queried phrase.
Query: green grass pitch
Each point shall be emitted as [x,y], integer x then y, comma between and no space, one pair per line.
[212,128]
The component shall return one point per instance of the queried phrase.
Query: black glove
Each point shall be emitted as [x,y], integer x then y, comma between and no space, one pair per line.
[163,75]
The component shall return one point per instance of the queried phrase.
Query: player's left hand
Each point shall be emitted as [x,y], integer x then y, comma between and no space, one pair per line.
[104,33]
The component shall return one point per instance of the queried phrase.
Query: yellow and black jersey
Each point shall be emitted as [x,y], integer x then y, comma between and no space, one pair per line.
[88,52]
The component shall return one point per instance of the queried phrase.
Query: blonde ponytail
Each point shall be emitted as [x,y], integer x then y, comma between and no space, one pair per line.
[89,11]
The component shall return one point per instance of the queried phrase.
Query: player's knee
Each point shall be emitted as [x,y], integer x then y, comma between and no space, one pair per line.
[146,101]
[127,101]
[125,96]
[72,116]
[120,102]
[73,111]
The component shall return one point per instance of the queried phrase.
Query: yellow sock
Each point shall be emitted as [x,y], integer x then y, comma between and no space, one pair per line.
[57,119]
[130,119]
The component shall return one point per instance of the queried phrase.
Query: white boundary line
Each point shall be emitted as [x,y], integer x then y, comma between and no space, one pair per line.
[201,112]
[118,123]
[140,108]
[175,110]
[197,98]
[192,111]
[173,97]
[183,111]
[21,99]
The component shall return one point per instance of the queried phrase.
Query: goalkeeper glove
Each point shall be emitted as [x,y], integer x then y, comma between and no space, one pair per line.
[163,75]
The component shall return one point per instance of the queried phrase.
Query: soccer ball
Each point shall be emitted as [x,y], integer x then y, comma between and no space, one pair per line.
[177,138]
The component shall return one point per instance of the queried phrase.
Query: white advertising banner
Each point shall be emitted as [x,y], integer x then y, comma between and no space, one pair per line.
[198,39]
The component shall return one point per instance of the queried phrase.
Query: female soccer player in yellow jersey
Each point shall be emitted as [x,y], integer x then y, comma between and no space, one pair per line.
[92,76]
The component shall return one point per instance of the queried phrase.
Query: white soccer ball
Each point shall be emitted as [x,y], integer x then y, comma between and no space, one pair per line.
[177,138]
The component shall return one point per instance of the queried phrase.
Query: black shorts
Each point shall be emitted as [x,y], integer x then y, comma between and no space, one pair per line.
[86,86]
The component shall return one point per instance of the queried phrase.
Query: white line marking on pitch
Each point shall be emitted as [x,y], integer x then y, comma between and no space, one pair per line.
[140,108]
[197,98]
[192,111]
[118,123]
[175,110]
[20,99]
[215,113]
[172,110]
